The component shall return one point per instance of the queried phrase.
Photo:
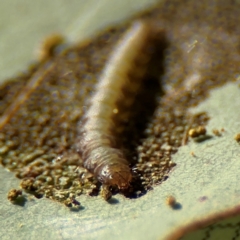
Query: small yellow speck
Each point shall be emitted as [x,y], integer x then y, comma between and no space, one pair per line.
[237,137]
[115,110]
[171,201]
[196,132]
[192,154]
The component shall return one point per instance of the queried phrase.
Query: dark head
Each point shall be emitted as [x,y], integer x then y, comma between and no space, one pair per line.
[115,175]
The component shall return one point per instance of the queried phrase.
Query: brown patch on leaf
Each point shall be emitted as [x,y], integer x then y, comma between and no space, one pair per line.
[39,134]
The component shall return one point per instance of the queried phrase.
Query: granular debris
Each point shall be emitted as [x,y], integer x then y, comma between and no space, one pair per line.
[216,132]
[237,137]
[49,46]
[171,201]
[14,194]
[196,132]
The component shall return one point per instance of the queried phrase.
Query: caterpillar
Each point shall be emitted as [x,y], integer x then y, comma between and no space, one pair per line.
[123,72]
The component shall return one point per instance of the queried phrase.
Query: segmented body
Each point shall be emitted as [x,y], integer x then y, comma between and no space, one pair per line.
[124,71]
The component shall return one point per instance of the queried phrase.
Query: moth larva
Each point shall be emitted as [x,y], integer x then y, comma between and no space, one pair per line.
[124,70]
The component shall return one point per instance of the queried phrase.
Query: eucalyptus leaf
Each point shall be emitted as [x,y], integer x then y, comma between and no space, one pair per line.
[206,185]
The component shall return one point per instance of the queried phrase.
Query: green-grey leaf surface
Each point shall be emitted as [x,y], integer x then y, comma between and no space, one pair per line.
[213,173]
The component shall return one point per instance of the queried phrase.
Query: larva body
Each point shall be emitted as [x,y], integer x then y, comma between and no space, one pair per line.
[124,71]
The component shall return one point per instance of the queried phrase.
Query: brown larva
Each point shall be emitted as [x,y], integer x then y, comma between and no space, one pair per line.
[124,70]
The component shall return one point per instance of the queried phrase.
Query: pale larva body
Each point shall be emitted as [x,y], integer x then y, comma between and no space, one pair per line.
[125,69]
